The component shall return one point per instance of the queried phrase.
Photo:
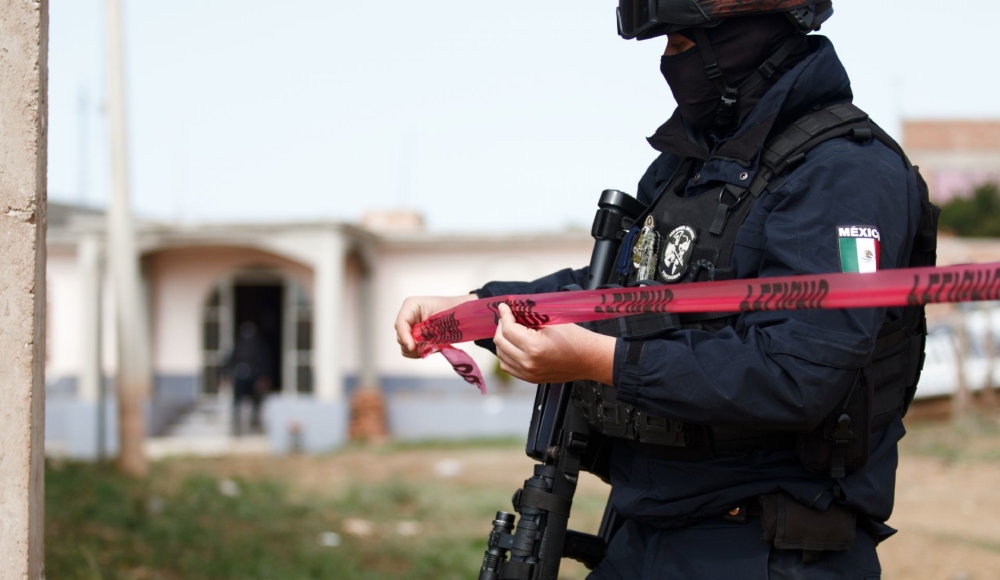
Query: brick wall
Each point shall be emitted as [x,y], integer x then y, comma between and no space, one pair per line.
[952,135]
[954,156]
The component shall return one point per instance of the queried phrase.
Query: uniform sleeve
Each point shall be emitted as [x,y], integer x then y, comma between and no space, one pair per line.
[787,369]
[551,283]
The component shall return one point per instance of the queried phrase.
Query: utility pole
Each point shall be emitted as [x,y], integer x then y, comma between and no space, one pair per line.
[83,142]
[134,376]
[961,403]
[24,41]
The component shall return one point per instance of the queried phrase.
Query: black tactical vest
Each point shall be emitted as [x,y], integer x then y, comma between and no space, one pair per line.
[690,239]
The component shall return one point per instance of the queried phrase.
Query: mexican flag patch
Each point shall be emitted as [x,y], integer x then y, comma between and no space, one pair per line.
[859,248]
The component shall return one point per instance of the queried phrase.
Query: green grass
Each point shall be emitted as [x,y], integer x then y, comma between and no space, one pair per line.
[101,525]
[178,524]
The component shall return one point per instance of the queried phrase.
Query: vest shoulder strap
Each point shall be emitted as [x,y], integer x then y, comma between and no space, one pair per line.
[788,148]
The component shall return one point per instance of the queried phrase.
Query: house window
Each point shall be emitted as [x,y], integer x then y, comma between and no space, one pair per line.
[215,338]
[299,314]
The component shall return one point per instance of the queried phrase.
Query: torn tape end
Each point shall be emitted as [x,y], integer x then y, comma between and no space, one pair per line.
[464,366]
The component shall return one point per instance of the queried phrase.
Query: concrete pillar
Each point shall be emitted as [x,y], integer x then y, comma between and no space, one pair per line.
[368,420]
[23,112]
[328,319]
[89,253]
[369,375]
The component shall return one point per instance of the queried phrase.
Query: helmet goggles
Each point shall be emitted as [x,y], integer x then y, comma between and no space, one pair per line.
[642,19]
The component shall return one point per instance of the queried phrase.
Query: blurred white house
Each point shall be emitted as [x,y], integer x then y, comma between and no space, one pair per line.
[325,296]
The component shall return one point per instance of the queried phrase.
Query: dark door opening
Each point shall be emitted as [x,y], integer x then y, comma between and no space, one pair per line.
[262,306]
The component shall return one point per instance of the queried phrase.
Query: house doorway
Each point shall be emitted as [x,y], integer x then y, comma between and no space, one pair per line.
[257,308]
[280,312]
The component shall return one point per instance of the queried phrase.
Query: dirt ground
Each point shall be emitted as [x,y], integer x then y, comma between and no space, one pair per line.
[945,516]
[948,493]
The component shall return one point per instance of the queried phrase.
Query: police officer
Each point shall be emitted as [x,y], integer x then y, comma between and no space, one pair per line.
[783,431]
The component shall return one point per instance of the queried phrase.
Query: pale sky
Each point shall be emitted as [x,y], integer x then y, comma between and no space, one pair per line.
[500,116]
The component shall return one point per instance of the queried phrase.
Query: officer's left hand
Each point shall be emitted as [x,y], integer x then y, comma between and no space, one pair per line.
[553,354]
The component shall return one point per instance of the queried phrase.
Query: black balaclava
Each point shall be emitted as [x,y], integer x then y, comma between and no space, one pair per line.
[741,45]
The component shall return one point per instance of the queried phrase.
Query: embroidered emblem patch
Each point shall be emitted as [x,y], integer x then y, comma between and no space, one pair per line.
[859,248]
[677,253]
[644,251]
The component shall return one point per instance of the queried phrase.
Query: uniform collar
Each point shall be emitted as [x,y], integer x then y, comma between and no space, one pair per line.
[818,79]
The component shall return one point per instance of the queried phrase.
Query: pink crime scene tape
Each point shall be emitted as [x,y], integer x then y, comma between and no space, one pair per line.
[477,319]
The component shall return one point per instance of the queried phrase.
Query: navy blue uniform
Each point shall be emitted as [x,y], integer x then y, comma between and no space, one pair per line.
[783,370]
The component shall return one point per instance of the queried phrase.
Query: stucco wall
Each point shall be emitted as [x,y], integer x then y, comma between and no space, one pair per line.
[63,356]
[65,320]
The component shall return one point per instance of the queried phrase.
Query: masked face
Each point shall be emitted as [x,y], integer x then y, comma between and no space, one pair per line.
[696,95]
[740,45]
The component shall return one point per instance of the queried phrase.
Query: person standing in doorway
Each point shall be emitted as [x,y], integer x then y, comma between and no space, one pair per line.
[251,369]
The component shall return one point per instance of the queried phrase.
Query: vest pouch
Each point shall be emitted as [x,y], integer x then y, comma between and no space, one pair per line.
[597,457]
[606,415]
[896,366]
[841,443]
[788,525]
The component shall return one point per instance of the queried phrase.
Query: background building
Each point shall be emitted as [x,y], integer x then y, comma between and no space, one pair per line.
[954,156]
[324,296]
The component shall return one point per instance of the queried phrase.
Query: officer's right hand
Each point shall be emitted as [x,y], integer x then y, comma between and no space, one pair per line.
[416,309]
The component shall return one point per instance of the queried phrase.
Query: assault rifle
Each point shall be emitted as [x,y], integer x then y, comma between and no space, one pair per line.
[563,444]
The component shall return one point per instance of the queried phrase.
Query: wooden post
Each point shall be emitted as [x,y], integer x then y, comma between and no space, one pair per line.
[961,402]
[134,376]
[24,29]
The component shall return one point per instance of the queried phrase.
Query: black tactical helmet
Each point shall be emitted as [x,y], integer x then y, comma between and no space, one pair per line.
[644,19]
